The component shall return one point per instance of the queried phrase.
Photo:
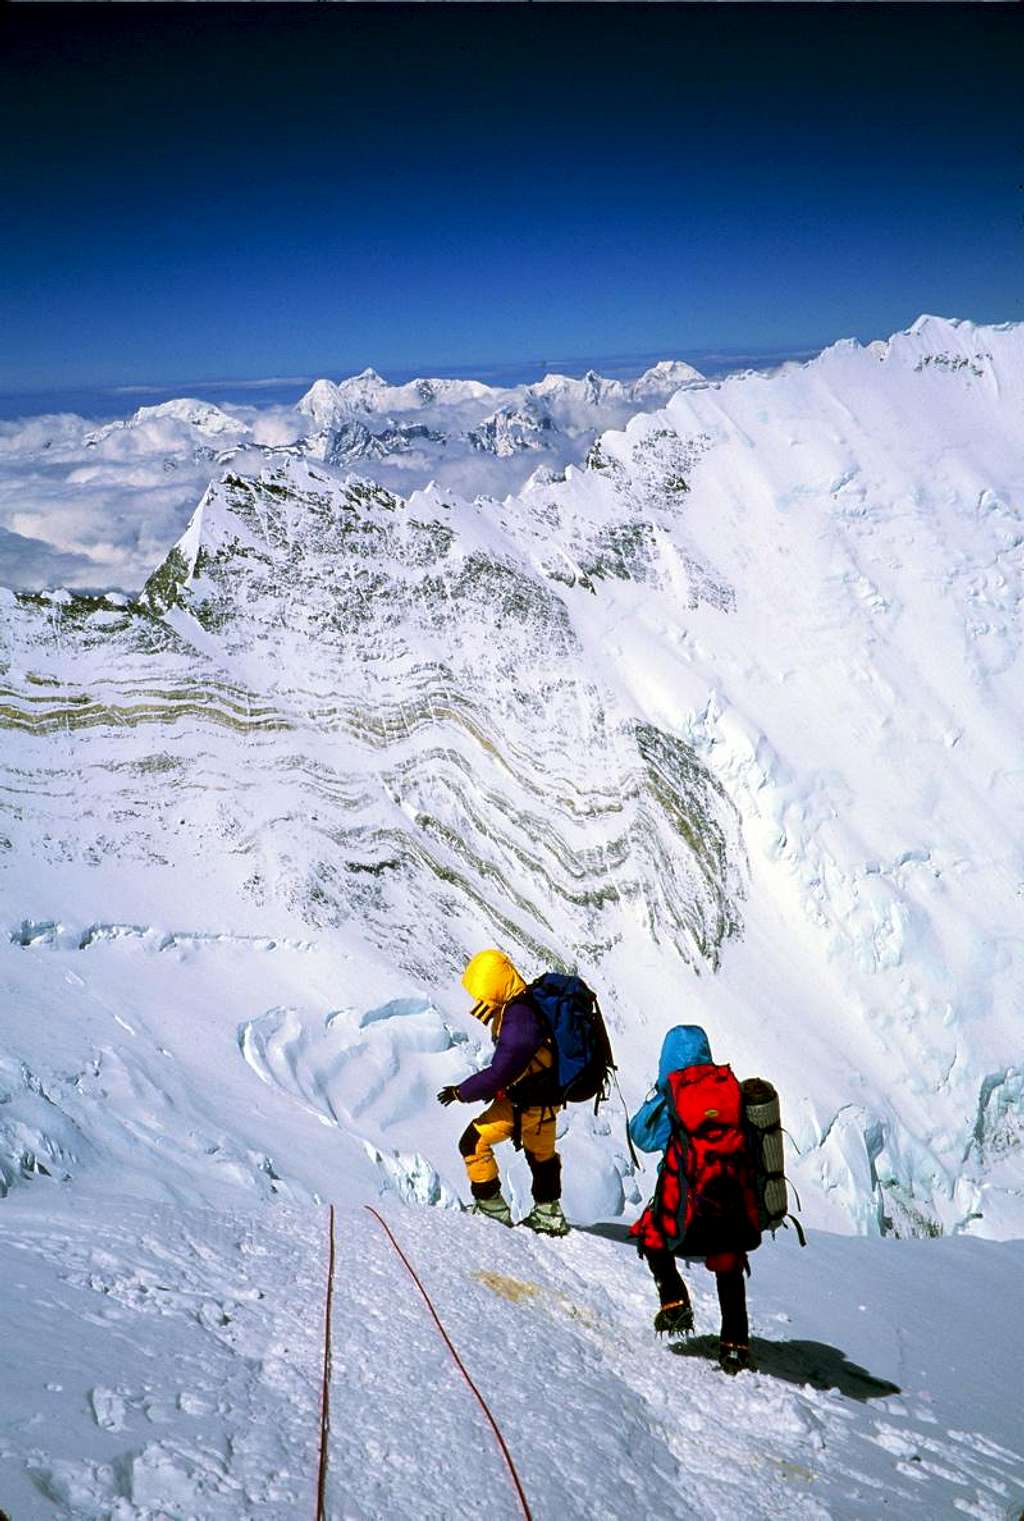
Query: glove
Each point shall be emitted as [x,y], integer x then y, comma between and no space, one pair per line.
[448,1096]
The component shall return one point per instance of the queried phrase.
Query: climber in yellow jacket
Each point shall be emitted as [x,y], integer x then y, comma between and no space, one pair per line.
[521,1084]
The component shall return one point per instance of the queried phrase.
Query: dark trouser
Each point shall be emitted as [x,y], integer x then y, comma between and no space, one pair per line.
[547,1182]
[547,1178]
[732,1294]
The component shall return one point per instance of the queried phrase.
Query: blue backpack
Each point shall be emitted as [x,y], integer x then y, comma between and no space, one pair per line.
[583,1053]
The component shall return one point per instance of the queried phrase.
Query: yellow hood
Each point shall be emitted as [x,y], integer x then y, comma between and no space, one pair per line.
[491,980]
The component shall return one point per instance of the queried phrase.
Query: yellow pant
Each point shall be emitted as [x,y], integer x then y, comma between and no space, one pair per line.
[496,1124]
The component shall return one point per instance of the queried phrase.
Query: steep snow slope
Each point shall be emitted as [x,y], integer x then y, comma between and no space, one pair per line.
[728,720]
[186,1348]
[864,711]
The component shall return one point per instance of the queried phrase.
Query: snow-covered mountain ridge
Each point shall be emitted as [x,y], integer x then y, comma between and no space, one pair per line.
[328,402]
[416,432]
[728,719]
[94,505]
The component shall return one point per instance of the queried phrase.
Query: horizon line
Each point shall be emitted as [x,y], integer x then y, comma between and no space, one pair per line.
[464,371]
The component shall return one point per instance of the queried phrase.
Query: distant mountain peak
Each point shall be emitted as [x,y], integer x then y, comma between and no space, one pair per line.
[321,402]
[666,375]
[198,414]
[203,416]
[366,380]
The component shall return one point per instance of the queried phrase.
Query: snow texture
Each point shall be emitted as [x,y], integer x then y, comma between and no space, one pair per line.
[187,1349]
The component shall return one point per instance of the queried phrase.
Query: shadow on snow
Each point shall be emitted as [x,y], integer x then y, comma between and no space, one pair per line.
[800,1362]
[795,1362]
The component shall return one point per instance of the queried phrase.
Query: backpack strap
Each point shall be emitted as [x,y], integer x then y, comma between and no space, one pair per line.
[638,1166]
[797,1227]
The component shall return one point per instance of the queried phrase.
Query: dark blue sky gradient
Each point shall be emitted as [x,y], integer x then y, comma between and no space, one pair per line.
[194,192]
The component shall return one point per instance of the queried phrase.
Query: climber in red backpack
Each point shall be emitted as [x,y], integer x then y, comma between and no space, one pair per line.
[705,1200]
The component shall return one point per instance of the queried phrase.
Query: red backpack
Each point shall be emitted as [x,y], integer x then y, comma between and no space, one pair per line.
[706,1198]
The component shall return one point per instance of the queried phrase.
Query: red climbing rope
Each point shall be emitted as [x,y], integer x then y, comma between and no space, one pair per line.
[325,1388]
[460,1365]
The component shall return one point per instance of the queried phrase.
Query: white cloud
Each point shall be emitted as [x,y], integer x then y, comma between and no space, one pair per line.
[28,562]
[80,516]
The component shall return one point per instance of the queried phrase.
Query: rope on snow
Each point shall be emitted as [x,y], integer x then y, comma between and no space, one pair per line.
[458,1363]
[325,1387]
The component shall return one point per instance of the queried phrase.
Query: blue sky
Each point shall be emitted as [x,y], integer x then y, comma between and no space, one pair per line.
[201,192]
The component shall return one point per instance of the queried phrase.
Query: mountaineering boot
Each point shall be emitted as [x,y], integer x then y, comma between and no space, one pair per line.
[547,1219]
[734,1357]
[674,1318]
[495,1208]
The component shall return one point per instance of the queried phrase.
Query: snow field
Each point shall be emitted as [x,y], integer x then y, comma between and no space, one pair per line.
[181,1374]
[154,1368]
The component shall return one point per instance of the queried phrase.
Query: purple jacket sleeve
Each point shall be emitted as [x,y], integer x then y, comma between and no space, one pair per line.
[519,1039]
